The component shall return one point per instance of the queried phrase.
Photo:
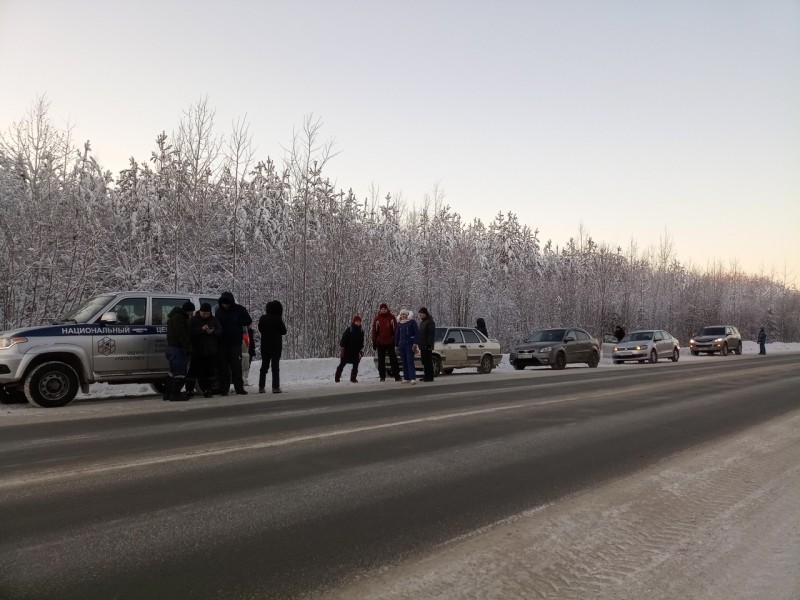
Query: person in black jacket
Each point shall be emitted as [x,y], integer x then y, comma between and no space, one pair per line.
[481,326]
[234,319]
[425,341]
[205,331]
[272,329]
[619,333]
[179,348]
[351,349]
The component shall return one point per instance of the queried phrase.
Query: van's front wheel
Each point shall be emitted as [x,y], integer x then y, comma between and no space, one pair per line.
[52,384]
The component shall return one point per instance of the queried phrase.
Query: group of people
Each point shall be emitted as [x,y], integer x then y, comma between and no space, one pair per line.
[200,344]
[390,336]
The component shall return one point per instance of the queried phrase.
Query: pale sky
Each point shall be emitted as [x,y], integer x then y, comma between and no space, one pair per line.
[632,118]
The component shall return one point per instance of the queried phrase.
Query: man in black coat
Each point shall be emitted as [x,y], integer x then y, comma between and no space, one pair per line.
[351,349]
[426,339]
[205,330]
[272,329]
[234,319]
[179,349]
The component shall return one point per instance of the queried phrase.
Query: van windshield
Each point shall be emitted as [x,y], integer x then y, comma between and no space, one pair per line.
[87,310]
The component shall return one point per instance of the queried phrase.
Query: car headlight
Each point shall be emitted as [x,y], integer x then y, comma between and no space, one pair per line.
[545,350]
[691,341]
[718,340]
[7,342]
[616,349]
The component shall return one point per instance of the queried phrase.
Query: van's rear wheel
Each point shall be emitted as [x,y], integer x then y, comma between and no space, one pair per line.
[52,384]
[487,364]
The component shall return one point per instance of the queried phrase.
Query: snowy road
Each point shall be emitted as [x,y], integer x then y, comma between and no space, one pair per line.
[670,480]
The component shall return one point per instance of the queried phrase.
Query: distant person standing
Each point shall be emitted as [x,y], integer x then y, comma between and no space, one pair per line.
[272,329]
[179,349]
[248,353]
[351,349]
[619,333]
[234,318]
[406,342]
[481,326]
[205,331]
[384,326]
[427,337]
[762,341]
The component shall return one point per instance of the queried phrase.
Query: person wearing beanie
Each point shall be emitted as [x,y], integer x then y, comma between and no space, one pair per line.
[272,329]
[351,349]
[205,331]
[235,320]
[179,348]
[384,326]
[427,337]
[405,340]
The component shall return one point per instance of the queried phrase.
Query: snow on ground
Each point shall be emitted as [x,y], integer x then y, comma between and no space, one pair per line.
[317,373]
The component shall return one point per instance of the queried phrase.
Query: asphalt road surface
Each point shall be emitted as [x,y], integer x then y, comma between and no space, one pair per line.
[312,493]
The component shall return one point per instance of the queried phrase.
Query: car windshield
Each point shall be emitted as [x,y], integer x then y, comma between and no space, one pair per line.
[547,335]
[439,336]
[712,331]
[87,310]
[638,336]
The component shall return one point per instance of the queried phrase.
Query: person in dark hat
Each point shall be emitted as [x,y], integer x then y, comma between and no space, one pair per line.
[425,341]
[205,331]
[235,320]
[384,326]
[179,348]
[481,326]
[351,349]
[762,341]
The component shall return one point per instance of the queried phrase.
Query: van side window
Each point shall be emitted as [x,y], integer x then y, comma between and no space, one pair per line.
[163,306]
[470,336]
[130,311]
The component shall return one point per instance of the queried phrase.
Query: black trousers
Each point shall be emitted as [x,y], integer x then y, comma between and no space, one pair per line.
[229,363]
[270,360]
[382,350]
[426,358]
[201,370]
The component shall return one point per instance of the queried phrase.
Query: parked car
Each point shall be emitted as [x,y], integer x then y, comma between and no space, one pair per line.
[716,338]
[119,337]
[459,347]
[647,345]
[557,348]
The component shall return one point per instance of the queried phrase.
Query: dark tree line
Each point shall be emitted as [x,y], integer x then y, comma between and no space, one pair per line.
[203,214]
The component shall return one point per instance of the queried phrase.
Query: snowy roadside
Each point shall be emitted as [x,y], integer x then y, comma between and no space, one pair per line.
[315,376]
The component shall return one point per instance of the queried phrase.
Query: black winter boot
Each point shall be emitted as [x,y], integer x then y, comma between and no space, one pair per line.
[167,389]
[177,384]
[338,377]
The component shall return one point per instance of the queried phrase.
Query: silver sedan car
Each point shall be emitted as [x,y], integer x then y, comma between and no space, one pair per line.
[647,345]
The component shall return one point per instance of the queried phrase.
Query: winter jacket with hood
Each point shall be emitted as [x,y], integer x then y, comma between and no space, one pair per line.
[383,328]
[407,330]
[272,329]
[427,332]
[234,320]
[178,329]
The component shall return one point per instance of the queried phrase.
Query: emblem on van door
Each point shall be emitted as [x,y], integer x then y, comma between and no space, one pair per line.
[106,346]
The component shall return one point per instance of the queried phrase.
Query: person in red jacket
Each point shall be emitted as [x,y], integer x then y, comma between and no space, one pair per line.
[382,333]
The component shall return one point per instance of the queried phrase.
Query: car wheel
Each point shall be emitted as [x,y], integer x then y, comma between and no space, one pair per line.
[653,357]
[738,351]
[561,361]
[594,360]
[437,366]
[724,351]
[447,371]
[15,397]
[52,384]
[487,364]
[159,387]
[675,355]
[518,366]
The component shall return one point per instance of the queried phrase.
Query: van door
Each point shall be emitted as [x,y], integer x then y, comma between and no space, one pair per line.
[120,346]
[475,346]
[160,307]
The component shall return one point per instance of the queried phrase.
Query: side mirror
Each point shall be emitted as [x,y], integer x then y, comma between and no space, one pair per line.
[569,338]
[109,317]
[450,341]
